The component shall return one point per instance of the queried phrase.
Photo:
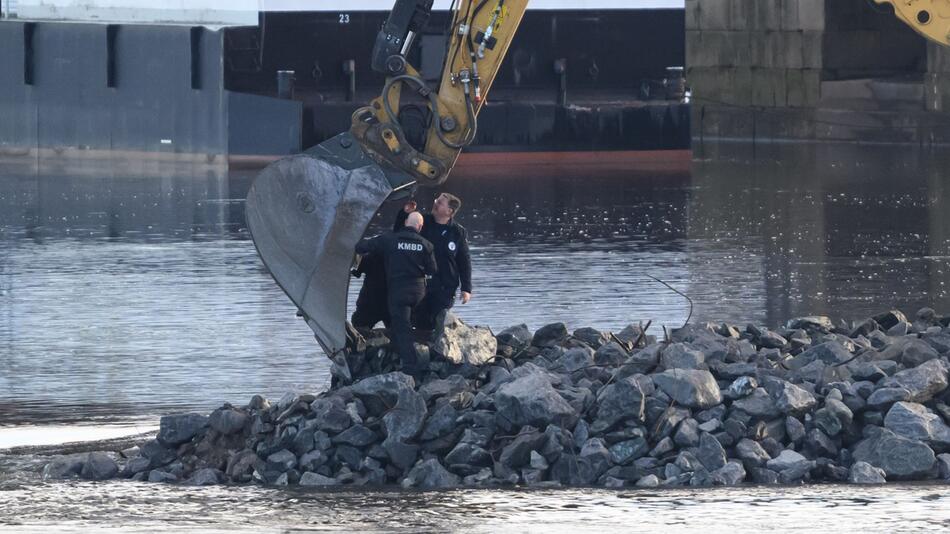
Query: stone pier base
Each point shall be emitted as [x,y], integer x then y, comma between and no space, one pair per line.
[813,70]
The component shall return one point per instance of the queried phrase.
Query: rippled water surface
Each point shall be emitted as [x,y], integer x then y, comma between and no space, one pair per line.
[128,294]
[143,507]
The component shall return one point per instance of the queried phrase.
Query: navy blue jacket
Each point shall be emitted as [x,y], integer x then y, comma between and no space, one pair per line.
[450,243]
[407,256]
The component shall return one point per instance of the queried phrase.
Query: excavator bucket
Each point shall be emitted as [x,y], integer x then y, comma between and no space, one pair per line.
[305,214]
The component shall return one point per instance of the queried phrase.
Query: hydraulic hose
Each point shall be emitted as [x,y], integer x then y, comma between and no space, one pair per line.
[423,90]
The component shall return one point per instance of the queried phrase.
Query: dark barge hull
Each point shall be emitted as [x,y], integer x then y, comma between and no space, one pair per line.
[208,95]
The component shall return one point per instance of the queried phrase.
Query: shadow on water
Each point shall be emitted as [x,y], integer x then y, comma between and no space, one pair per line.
[129,291]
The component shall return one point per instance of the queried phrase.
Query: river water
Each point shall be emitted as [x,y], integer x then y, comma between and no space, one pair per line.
[129,291]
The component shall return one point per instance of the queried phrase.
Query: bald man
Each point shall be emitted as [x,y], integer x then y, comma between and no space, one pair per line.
[407,258]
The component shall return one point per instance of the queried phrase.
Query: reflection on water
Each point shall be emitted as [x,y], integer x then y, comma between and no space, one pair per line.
[141,507]
[139,293]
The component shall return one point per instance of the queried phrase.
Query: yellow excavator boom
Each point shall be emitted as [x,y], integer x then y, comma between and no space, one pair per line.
[930,18]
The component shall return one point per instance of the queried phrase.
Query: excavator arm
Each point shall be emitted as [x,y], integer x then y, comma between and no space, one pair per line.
[479,36]
[930,18]
[306,212]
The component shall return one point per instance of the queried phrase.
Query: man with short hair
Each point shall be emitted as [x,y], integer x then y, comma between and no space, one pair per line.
[407,258]
[450,242]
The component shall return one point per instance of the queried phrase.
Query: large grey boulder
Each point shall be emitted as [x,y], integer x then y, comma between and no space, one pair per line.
[687,434]
[865,473]
[624,452]
[177,429]
[916,352]
[640,361]
[817,323]
[64,467]
[242,464]
[751,453]
[833,417]
[380,393]
[576,359]
[402,455]
[157,453]
[916,421]
[593,460]
[898,456]
[610,353]
[730,474]
[681,356]
[392,396]
[550,335]
[922,382]
[759,405]
[356,436]
[518,453]
[462,344]
[330,415]
[468,454]
[228,421]
[789,398]
[788,459]
[883,398]
[689,387]
[99,466]
[794,429]
[515,337]
[828,353]
[710,452]
[943,464]
[592,337]
[430,475]
[282,460]
[819,444]
[441,423]
[531,400]
[449,386]
[624,399]
[742,386]
[406,418]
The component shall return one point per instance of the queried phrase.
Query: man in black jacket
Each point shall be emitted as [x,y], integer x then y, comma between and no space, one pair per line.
[407,258]
[450,241]
[371,304]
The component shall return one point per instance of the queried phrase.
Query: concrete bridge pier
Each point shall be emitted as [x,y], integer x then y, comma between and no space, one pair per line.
[813,70]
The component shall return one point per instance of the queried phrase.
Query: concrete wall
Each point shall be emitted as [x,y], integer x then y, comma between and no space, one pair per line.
[845,70]
[162,98]
[70,106]
[748,52]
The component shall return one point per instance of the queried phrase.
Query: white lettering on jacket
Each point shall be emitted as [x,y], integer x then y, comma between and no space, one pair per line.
[414,247]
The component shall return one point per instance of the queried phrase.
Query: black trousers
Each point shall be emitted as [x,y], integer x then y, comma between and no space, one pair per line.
[401,303]
[372,306]
[436,301]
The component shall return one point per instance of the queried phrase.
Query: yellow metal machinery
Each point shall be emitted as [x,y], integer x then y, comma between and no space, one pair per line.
[930,18]
[481,32]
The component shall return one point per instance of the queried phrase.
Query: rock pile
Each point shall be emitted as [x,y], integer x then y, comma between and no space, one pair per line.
[713,405]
